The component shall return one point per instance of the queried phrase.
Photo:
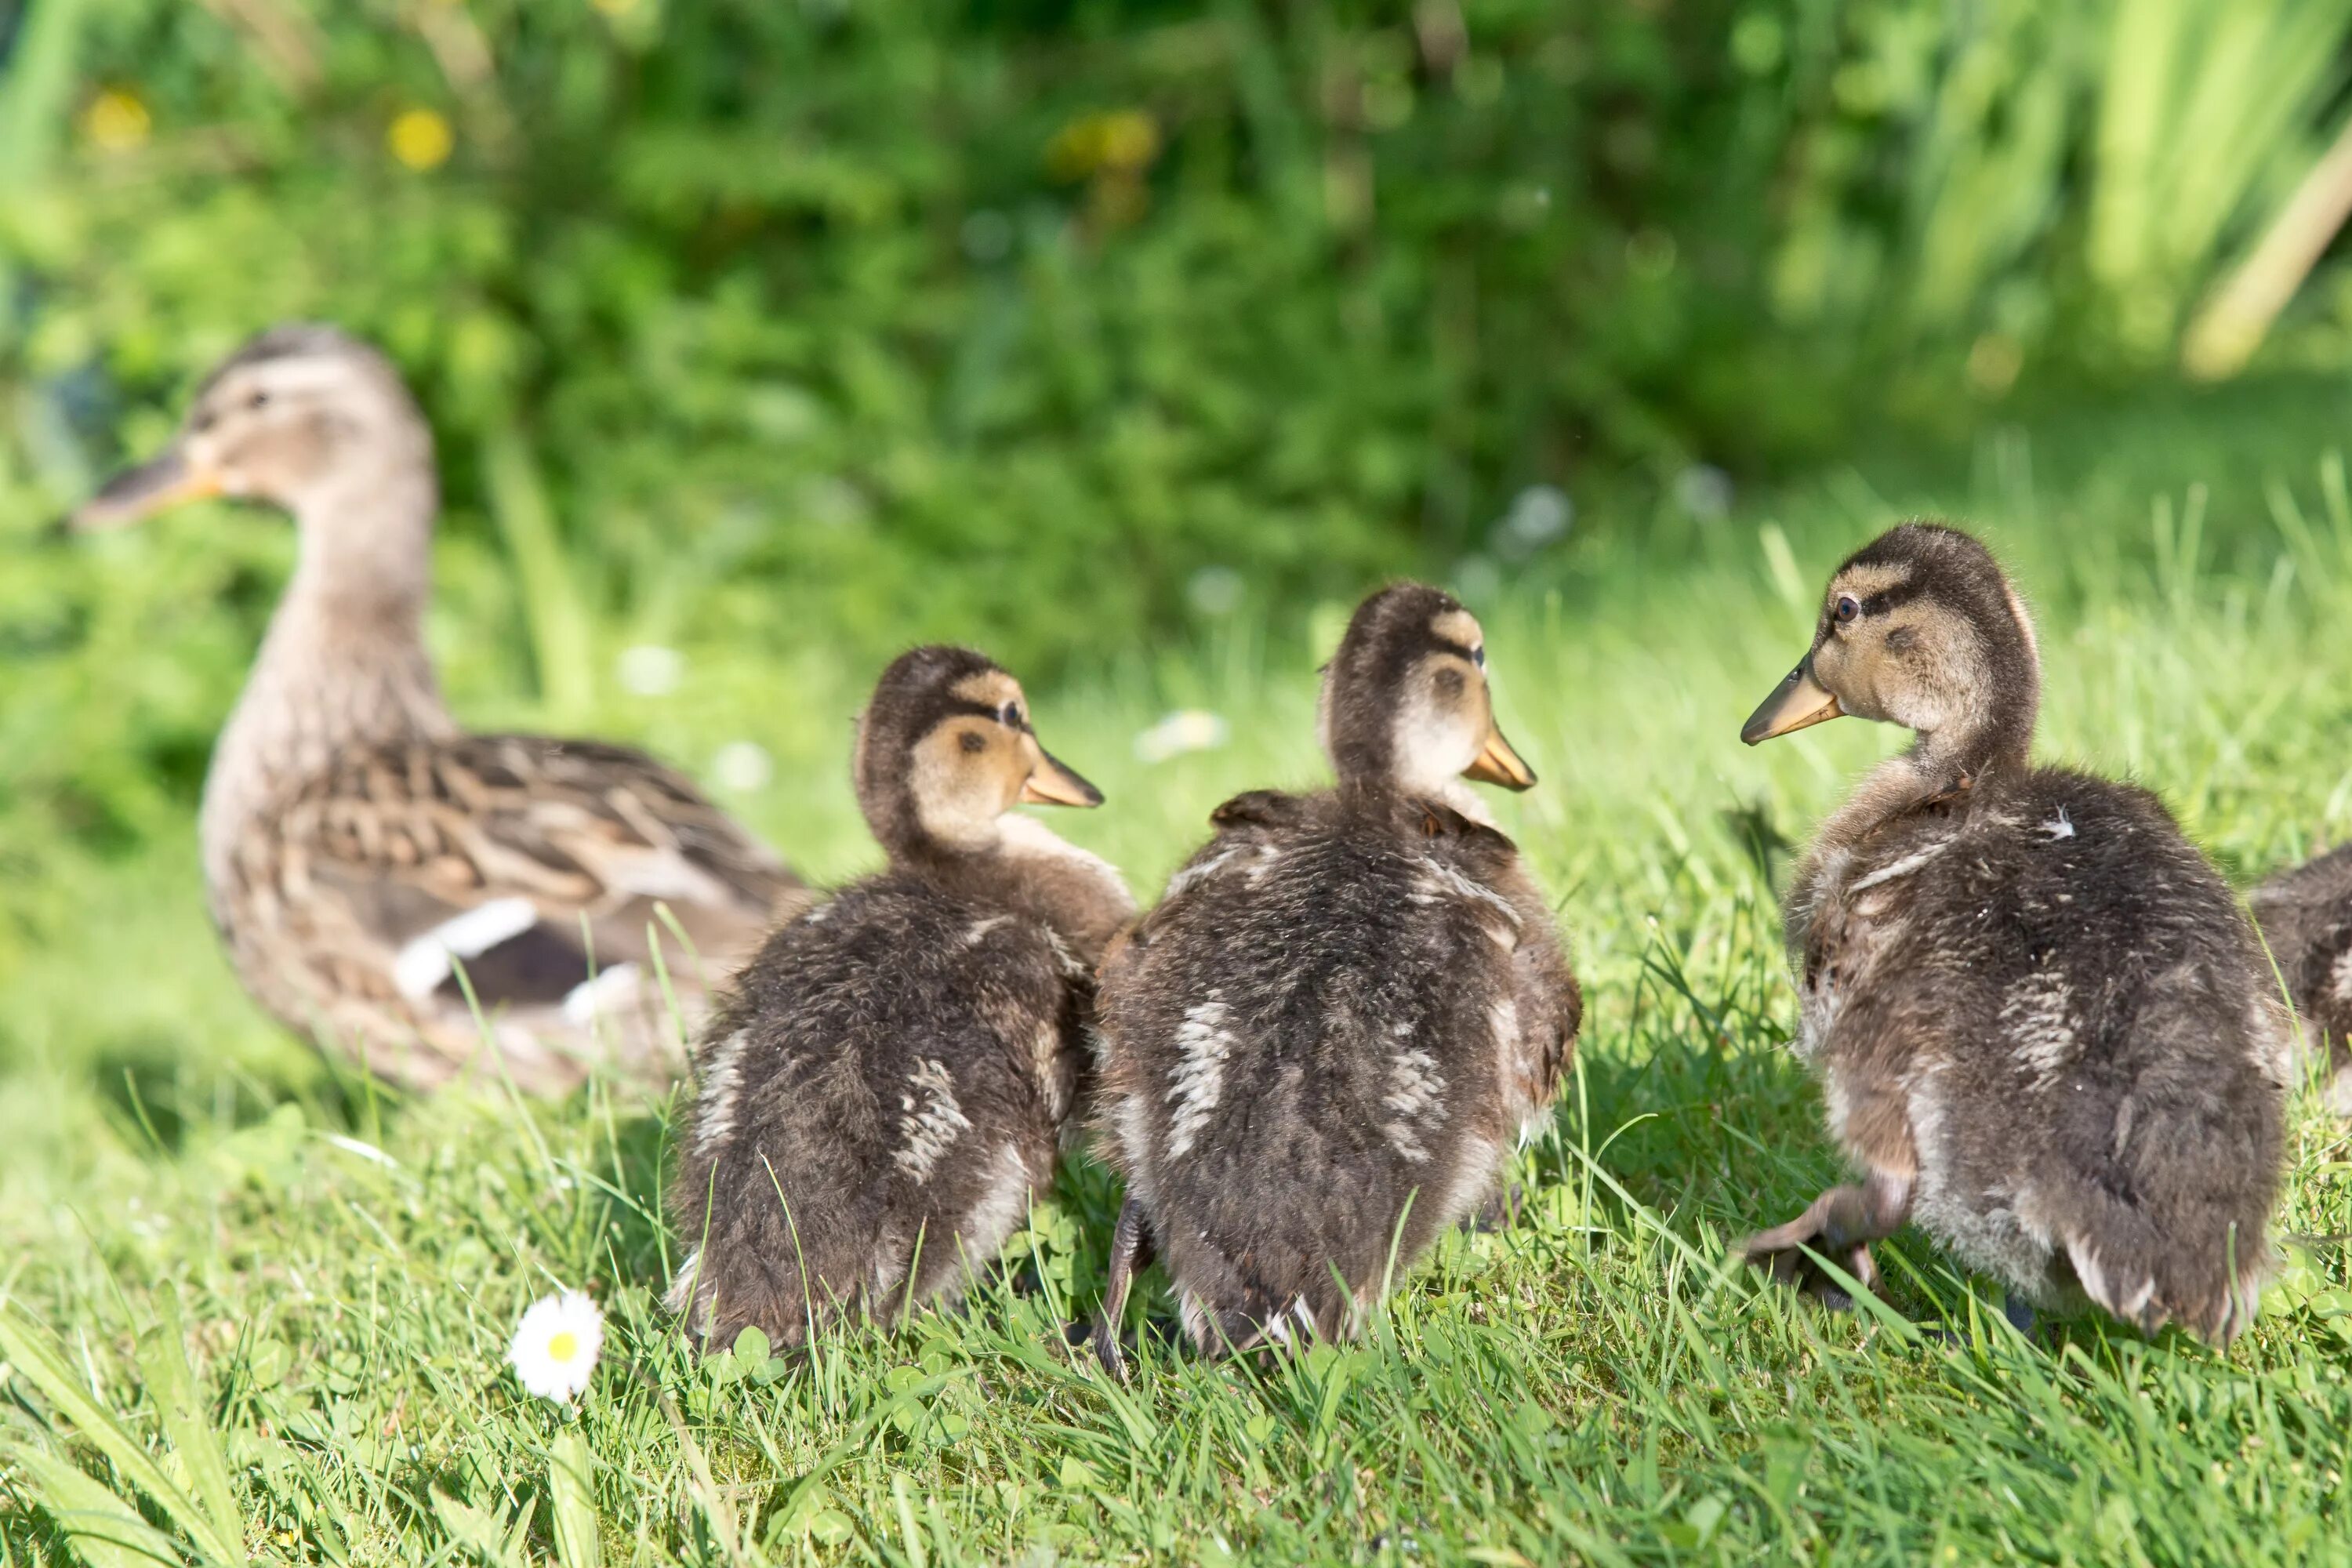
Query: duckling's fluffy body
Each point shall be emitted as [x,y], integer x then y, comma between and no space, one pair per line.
[2305,915]
[883,1092]
[1319,1048]
[2037,997]
[2043,1027]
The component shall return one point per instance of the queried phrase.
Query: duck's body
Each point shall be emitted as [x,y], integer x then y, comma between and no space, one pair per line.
[1322,1046]
[2038,1014]
[359,848]
[2305,916]
[883,1092]
[2040,999]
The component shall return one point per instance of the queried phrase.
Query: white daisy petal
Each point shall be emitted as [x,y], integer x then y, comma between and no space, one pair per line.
[556,1345]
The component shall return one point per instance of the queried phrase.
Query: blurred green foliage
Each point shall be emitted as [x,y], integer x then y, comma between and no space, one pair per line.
[787,333]
[908,315]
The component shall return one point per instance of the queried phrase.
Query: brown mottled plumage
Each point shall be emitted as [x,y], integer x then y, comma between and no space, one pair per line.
[2043,1029]
[884,1090]
[1325,1041]
[360,849]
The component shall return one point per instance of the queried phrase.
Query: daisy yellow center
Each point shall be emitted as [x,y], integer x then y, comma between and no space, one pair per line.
[563,1346]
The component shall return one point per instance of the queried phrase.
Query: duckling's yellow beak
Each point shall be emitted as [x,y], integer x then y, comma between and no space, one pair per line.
[1795,703]
[1498,763]
[1052,783]
[138,493]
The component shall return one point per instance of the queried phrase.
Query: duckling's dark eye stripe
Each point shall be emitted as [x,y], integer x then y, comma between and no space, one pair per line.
[1447,645]
[1886,599]
[994,714]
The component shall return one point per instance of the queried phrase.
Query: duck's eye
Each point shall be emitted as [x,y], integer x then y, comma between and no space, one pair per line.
[1478,656]
[258,400]
[1848,608]
[1009,715]
[204,420]
[974,740]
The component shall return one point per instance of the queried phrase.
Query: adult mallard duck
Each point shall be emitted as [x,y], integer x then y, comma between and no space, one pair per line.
[369,862]
[1322,1046]
[2044,1029]
[883,1090]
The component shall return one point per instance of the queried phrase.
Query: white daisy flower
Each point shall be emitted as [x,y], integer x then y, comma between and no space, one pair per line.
[555,1348]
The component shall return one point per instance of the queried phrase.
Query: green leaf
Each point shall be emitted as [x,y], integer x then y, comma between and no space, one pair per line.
[105,1532]
[570,1476]
[751,1348]
[172,1386]
[42,1362]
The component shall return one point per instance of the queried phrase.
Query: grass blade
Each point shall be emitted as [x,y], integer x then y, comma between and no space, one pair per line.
[40,1360]
[172,1386]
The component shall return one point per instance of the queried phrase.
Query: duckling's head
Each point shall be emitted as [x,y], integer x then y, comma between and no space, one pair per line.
[1405,705]
[1919,628]
[945,749]
[306,417]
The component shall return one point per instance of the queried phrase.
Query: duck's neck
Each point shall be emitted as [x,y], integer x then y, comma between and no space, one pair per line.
[1940,765]
[345,662]
[1030,868]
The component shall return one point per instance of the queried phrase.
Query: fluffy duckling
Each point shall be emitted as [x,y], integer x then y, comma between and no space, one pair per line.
[2041,1024]
[1323,1044]
[2305,915]
[883,1092]
[360,849]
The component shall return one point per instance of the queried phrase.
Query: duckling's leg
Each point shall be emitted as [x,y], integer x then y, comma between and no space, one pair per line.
[1841,1223]
[1130,1250]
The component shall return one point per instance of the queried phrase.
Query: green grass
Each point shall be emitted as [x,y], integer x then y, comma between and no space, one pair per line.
[260,1300]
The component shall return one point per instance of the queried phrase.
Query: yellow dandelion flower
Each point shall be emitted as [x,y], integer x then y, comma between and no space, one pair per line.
[116,122]
[1119,141]
[421,139]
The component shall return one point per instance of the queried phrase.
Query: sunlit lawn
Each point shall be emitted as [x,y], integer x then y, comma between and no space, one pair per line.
[1590,1384]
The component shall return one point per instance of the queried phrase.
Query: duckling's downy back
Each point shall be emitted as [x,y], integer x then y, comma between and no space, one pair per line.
[2043,1027]
[883,1092]
[1321,1047]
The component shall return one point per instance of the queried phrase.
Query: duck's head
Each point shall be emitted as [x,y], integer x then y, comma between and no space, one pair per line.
[1405,704]
[945,749]
[1919,628]
[305,417]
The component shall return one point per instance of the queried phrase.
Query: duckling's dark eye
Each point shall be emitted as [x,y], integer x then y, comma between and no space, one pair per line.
[1478,656]
[1009,715]
[204,420]
[1847,609]
[258,400]
[974,740]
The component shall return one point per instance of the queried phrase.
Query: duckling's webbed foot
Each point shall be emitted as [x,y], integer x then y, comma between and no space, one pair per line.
[1130,1250]
[1840,1225]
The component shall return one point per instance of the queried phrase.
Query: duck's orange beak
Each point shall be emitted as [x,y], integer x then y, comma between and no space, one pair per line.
[1797,703]
[135,494]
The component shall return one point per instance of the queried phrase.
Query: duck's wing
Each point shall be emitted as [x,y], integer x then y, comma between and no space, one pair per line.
[543,874]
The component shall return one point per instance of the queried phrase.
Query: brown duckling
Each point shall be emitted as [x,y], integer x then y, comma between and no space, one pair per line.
[883,1092]
[360,849]
[1323,1044]
[2305,915]
[2043,1027]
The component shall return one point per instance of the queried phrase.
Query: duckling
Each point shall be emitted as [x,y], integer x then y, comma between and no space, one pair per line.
[1321,1047]
[2041,1021]
[2305,916]
[883,1092]
[367,860]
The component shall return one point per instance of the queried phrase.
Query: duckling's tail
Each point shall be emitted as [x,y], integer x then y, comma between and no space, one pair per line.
[2149,1281]
[1264,1318]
